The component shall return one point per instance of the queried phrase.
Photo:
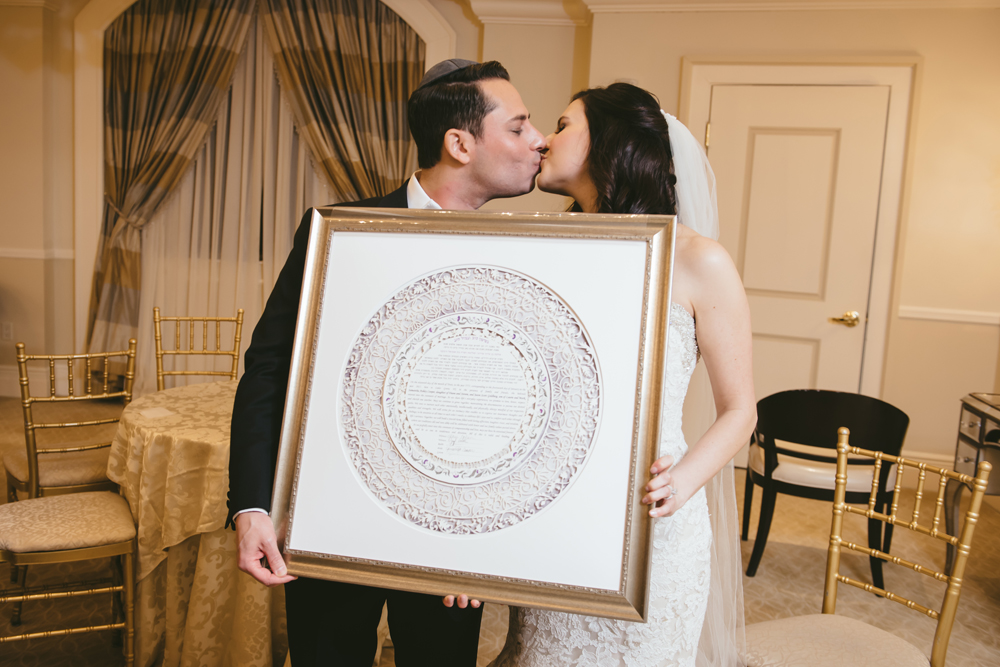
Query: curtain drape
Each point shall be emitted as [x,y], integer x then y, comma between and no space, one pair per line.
[349,67]
[167,67]
[218,243]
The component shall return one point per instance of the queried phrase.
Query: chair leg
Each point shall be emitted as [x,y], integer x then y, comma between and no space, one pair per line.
[763,528]
[12,498]
[875,542]
[887,537]
[117,602]
[747,505]
[128,579]
[22,578]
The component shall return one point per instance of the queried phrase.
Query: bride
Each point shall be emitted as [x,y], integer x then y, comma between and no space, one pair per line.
[615,151]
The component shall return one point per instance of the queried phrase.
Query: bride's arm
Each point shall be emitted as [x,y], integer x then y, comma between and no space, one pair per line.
[706,278]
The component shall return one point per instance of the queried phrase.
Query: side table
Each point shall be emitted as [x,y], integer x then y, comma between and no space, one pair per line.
[978,440]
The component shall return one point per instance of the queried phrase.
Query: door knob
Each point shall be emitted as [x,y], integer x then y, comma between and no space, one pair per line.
[848,319]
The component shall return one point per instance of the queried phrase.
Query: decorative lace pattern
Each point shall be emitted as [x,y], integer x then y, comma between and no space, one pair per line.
[679,581]
[430,491]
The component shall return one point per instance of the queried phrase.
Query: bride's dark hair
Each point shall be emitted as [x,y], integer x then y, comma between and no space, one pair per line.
[630,161]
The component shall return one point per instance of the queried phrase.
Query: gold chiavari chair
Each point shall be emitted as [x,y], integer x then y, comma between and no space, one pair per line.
[70,460]
[829,639]
[190,340]
[68,528]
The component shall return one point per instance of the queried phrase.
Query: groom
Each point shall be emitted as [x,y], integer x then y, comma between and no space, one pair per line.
[474,143]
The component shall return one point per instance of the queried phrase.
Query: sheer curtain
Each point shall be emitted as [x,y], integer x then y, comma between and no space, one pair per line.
[218,243]
[166,68]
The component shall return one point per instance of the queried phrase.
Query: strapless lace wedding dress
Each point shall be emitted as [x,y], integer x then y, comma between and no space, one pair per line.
[679,581]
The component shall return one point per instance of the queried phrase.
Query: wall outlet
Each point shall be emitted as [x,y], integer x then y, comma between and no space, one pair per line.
[6,331]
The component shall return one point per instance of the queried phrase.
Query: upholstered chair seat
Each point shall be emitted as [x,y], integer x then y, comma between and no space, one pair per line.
[815,474]
[64,469]
[821,640]
[66,528]
[71,521]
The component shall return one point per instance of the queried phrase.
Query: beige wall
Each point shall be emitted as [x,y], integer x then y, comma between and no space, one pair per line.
[21,119]
[951,228]
[540,61]
[22,271]
[36,182]
[950,233]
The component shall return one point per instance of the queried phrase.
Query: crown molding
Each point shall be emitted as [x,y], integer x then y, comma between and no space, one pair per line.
[43,4]
[532,12]
[632,7]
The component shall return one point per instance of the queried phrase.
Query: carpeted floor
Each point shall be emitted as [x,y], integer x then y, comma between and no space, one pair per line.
[788,583]
[790,579]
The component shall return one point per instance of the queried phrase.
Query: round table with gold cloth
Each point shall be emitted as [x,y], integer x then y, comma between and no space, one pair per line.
[193,605]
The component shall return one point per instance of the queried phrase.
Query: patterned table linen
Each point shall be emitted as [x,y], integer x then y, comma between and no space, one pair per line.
[194,607]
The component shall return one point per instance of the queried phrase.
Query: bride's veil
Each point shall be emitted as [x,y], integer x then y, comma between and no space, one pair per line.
[722,637]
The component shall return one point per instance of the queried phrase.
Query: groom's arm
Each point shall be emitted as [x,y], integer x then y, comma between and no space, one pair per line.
[257,416]
[260,397]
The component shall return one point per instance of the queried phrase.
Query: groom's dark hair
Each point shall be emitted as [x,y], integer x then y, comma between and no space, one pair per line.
[455,101]
[630,160]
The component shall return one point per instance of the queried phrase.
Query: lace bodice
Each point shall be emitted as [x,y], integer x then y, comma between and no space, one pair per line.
[679,580]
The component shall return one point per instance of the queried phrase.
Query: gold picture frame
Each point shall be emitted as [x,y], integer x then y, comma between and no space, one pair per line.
[647,240]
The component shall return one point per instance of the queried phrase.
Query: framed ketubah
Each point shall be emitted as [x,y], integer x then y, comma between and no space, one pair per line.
[473,405]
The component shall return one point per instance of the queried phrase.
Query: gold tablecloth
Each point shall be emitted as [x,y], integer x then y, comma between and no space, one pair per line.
[193,606]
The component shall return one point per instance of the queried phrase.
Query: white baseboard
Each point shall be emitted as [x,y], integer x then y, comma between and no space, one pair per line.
[38,376]
[8,381]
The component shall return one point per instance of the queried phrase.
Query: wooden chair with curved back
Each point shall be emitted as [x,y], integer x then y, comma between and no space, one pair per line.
[779,463]
[72,456]
[68,528]
[826,639]
[179,350]
[73,511]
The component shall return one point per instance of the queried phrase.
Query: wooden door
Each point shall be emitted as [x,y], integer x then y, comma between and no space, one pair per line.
[799,173]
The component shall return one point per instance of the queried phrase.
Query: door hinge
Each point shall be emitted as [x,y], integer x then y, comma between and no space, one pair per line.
[708,133]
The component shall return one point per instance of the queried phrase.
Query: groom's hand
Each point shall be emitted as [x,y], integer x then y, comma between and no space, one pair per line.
[463,601]
[258,542]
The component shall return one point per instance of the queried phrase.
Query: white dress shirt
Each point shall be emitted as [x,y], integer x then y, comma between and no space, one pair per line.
[416,197]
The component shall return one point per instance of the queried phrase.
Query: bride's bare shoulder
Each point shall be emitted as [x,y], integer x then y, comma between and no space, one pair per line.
[700,255]
[705,277]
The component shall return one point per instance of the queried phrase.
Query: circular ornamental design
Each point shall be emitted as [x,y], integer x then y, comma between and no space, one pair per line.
[470,400]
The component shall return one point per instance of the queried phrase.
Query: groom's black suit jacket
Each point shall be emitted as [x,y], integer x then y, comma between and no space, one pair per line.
[329,623]
[260,398]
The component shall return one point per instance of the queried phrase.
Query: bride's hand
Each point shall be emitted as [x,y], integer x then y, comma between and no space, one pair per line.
[660,491]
